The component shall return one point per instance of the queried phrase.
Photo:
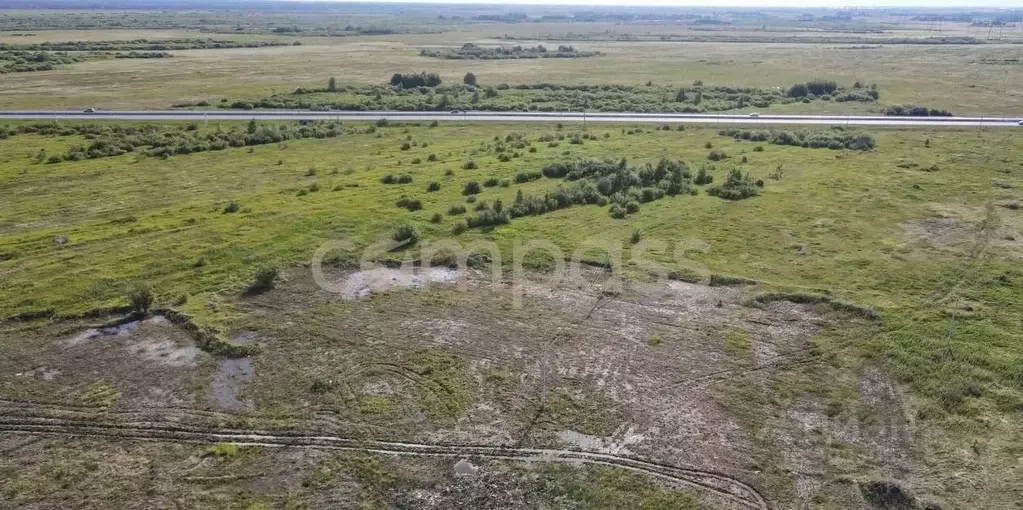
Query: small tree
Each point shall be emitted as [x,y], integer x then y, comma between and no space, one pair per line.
[141,298]
[470,79]
[252,126]
[331,85]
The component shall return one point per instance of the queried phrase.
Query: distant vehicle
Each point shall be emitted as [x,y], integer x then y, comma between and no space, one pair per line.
[754,115]
[455,112]
[89,110]
[1020,123]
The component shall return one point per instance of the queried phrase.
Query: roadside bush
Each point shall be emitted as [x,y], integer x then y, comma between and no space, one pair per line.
[835,138]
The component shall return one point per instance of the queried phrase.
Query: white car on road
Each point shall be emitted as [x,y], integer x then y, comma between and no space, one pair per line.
[754,115]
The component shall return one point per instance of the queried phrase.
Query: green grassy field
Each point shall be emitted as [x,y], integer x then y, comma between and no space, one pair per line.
[851,223]
[951,77]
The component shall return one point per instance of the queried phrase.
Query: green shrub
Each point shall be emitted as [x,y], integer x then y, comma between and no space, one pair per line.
[491,182]
[436,218]
[431,158]
[265,279]
[456,210]
[702,177]
[716,155]
[405,233]
[433,186]
[737,186]
[470,165]
[232,207]
[636,236]
[141,298]
[409,203]
[471,188]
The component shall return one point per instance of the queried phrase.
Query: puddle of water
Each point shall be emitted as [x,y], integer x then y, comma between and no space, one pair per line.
[158,320]
[119,330]
[362,284]
[245,337]
[465,468]
[231,378]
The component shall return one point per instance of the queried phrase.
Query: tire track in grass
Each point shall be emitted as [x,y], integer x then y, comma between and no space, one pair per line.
[44,421]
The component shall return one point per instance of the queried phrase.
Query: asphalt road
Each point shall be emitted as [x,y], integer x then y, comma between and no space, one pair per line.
[575,117]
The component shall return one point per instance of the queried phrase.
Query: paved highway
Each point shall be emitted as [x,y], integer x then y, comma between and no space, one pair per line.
[578,117]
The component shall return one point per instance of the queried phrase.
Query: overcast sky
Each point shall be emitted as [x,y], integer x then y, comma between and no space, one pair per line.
[748,3]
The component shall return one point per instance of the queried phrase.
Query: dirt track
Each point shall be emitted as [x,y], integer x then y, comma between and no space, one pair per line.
[24,417]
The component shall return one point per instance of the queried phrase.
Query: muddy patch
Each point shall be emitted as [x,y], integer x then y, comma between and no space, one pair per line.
[362,284]
[165,352]
[939,232]
[617,444]
[232,376]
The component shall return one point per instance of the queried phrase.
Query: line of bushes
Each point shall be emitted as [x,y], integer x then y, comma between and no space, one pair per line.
[160,141]
[470,51]
[835,138]
[594,182]
[416,93]
[915,111]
